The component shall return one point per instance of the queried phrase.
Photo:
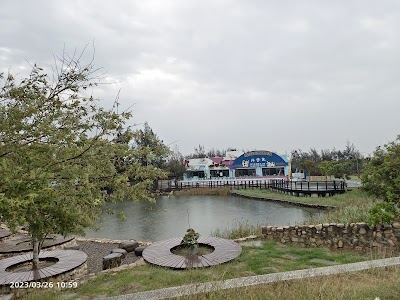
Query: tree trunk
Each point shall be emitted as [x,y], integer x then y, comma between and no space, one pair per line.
[35,254]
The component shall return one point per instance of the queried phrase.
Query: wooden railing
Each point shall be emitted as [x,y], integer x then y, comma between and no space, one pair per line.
[284,185]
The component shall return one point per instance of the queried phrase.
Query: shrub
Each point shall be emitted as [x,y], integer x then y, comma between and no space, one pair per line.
[383,213]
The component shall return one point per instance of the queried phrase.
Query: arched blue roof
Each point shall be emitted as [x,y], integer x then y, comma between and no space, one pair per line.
[254,159]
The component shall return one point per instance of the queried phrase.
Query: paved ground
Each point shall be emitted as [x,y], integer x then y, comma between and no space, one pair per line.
[353,184]
[255,280]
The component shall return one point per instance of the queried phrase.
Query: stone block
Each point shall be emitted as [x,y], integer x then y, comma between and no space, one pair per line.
[112,260]
[139,250]
[119,250]
[362,231]
[129,246]
[396,225]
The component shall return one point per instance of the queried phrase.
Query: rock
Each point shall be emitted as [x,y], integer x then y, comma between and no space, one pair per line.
[129,246]
[240,240]
[119,250]
[112,260]
[340,244]
[139,250]
[396,225]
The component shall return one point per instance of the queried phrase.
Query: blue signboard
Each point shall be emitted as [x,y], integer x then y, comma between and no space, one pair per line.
[263,159]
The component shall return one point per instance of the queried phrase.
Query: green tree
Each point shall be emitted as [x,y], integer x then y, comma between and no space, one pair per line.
[381,176]
[57,152]
[339,169]
[150,150]
[175,165]
[309,166]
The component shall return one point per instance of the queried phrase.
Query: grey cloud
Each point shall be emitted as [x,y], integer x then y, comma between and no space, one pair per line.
[249,74]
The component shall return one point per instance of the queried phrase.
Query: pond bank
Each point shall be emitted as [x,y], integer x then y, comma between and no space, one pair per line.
[302,204]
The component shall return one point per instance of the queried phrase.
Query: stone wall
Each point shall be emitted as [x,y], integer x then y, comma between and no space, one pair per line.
[356,236]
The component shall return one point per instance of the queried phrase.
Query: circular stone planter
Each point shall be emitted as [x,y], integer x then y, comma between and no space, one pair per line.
[66,260]
[21,243]
[160,254]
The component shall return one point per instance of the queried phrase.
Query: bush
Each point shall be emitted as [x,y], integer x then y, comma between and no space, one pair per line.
[383,213]
[381,177]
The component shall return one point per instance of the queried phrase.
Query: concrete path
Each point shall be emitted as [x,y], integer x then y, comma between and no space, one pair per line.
[191,289]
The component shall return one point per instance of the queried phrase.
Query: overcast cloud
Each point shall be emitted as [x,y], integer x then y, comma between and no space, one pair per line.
[267,75]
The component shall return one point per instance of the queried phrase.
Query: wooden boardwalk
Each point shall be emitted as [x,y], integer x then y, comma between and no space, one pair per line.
[160,254]
[21,243]
[309,187]
[67,260]
[167,186]
[4,233]
[279,184]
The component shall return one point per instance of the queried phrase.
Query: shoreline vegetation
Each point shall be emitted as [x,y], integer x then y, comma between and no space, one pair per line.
[350,207]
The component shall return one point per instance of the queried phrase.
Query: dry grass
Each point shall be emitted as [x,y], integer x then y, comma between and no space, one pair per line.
[383,283]
[237,230]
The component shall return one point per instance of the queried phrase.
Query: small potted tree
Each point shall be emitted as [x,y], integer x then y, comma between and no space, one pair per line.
[190,241]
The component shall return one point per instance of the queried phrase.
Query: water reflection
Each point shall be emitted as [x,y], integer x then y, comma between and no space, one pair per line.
[168,216]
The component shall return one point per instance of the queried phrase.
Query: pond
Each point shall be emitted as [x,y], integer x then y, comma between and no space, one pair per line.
[168,216]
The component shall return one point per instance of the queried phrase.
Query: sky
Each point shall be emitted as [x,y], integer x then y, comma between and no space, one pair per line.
[250,75]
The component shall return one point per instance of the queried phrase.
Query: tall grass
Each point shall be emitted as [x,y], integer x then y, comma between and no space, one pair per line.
[237,230]
[350,213]
[350,207]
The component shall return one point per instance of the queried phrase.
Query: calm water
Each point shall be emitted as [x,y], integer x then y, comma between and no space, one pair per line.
[168,216]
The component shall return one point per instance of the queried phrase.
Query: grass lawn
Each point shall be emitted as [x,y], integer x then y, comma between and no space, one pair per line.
[262,257]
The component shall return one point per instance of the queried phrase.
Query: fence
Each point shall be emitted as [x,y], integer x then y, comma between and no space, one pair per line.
[283,185]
